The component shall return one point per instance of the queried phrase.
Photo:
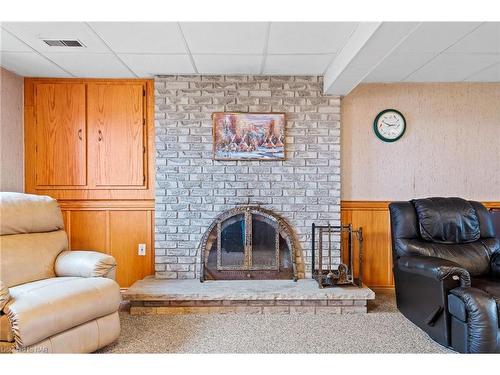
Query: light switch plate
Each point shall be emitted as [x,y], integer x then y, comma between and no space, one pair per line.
[141,249]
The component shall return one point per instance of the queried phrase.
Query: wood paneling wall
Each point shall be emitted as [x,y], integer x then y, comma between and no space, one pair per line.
[115,228]
[373,217]
[89,143]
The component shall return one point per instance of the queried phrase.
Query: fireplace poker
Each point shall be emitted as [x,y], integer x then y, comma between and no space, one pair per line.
[320,260]
[330,273]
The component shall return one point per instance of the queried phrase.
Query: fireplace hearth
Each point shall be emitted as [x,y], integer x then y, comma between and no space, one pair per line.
[248,242]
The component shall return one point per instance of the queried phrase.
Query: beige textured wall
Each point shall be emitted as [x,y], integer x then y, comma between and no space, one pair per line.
[11,132]
[451,146]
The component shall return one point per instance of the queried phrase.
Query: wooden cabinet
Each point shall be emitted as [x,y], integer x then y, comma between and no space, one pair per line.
[89,144]
[60,149]
[89,139]
[116,126]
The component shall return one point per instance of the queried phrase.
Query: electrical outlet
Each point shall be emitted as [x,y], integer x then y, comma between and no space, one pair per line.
[141,249]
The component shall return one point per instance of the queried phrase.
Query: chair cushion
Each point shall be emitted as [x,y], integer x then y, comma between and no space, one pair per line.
[28,213]
[447,220]
[41,309]
[85,338]
[492,287]
[30,257]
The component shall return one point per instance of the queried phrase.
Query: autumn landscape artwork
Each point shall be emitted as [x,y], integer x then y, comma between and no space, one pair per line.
[249,136]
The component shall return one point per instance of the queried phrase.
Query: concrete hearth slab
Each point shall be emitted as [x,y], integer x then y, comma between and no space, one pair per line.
[152,289]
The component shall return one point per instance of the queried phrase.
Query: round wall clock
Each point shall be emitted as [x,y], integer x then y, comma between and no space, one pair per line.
[389,125]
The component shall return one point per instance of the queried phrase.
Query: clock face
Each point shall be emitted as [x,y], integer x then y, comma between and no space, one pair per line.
[389,125]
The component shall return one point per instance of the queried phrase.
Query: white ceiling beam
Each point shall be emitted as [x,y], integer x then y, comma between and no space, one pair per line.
[367,47]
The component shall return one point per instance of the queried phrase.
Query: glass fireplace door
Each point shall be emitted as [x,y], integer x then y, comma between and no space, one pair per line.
[248,242]
[232,252]
[265,243]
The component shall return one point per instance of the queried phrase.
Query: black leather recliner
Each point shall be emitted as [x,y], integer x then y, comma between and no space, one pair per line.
[447,271]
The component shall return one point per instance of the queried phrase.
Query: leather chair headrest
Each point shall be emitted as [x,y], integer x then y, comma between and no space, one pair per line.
[447,220]
[28,213]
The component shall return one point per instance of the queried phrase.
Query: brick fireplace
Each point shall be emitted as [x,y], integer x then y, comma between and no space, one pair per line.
[192,189]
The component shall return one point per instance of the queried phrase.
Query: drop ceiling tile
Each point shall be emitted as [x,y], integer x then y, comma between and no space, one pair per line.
[141,37]
[486,39]
[398,66]
[225,37]
[436,36]
[452,67]
[30,64]
[309,37]
[32,34]
[151,65]
[297,64]
[228,64]
[489,74]
[12,44]
[90,65]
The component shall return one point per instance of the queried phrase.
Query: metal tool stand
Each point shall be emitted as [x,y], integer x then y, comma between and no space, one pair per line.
[341,272]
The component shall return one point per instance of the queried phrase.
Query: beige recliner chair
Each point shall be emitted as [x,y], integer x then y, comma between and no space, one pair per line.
[51,300]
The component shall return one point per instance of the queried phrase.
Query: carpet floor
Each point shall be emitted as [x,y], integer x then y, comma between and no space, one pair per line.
[382,330]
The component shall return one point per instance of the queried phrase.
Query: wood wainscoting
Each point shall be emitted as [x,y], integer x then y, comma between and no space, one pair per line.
[373,217]
[115,228]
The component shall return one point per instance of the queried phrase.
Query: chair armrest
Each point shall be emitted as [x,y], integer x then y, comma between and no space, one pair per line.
[495,265]
[4,296]
[85,264]
[436,268]
[482,319]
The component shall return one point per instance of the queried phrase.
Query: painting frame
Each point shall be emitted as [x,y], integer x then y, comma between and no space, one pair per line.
[232,156]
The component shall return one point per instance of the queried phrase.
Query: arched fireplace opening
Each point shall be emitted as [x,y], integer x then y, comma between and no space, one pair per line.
[248,242]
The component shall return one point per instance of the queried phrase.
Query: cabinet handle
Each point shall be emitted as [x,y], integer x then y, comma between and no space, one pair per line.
[80,134]
[100,136]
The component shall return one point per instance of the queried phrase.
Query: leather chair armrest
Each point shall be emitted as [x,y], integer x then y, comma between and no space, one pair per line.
[4,296]
[482,319]
[436,268]
[495,265]
[85,264]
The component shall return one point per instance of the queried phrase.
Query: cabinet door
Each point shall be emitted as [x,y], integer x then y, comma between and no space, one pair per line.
[128,229]
[61,154]
[116,134]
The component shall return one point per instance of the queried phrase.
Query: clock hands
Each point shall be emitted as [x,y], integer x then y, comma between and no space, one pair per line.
[389,124]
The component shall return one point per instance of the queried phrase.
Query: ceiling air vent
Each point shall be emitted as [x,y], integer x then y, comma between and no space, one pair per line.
[63,43]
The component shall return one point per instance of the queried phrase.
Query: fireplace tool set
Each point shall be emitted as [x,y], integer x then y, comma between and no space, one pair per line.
[331,267]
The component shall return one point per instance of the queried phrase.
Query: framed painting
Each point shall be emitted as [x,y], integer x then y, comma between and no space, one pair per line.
[248,136]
